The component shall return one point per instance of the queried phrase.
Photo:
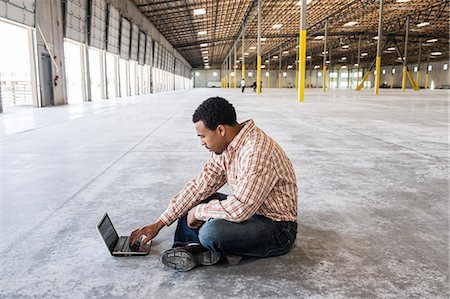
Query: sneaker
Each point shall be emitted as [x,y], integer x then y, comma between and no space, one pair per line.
[187,257]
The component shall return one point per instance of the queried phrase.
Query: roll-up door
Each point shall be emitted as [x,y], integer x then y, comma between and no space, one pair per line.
[125,36]
[149,51]
[75,19]
[98,24]
[134,42]
[113,30]
[21,11]
[141,54]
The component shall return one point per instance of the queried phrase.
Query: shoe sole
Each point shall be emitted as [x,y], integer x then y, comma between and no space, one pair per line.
[182,260]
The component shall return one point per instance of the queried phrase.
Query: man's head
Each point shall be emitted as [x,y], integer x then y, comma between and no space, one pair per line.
[215,123]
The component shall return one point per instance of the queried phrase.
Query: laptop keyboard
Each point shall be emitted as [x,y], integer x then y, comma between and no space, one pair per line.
[124,247]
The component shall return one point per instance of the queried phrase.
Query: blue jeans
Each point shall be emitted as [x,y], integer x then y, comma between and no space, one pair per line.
[258,236]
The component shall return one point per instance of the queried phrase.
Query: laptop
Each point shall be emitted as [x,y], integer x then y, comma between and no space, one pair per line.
[119,246]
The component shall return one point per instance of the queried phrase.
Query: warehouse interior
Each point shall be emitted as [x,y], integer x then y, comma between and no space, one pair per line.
[96,102]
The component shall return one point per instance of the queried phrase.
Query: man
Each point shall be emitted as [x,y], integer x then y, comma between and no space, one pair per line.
[258,218]
[243,84]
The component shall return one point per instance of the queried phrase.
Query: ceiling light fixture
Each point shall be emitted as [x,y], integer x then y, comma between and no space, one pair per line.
[436,53]
[205,52]
[364,54]
[200,11]
[402,1]
[425,23]
[319,37]
[433,40]
[203,45]
[307,2]
[202,33]
[275,57]
[345,46]
[348,24]
[277,26]
[289,66]
[252,48]
[263,39]
[308,57]
[391,48]
[285,52]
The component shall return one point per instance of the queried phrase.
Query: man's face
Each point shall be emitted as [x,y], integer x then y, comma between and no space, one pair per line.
[213,140]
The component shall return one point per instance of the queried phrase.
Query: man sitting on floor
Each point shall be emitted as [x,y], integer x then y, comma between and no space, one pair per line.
[258,218]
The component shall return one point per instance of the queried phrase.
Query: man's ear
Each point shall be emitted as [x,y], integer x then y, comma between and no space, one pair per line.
[221,129]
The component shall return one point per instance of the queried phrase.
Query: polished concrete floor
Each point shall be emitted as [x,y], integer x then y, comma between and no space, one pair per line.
[373,195]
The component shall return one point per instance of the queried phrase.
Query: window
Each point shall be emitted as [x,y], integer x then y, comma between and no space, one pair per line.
[215,74]
[393,71]
[267,74]
[430,68]
[197,74]
[384,71]
[416,69]
[319,74]
[445,66]
[284,74]
[250,74]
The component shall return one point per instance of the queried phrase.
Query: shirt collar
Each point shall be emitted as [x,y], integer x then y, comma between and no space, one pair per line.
[249,125]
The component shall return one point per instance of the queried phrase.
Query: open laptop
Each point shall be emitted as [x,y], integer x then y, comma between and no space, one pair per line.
[119,246]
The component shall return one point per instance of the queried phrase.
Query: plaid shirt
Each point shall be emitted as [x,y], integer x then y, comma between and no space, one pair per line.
[261,179]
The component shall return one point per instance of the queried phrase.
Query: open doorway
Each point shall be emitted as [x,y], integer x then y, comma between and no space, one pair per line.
[74,62]
[96,74]
[17,66]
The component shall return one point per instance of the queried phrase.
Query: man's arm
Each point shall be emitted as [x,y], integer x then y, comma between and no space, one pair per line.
[211,178]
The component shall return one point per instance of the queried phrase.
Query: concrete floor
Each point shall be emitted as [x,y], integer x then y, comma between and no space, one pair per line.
[373,195]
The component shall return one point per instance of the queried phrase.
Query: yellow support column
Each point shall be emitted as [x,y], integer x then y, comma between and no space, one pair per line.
[302,60]
[243,71]
[366,75]
[324,85]
[426,81]
[235,78]
[411,80]
[404,79]
[377,74]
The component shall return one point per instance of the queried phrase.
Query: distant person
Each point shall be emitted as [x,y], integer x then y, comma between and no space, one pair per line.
[243,84]
[258,218]
[253,86]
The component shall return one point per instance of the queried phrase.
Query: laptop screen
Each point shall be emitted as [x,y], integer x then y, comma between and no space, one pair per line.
[108,233]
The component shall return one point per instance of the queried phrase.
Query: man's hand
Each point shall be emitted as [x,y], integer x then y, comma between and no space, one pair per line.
[193,222]
[149,231]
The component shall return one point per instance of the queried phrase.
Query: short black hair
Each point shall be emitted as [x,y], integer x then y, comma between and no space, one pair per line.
[215,111]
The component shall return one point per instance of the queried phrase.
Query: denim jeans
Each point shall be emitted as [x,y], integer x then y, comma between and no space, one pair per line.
[258,236]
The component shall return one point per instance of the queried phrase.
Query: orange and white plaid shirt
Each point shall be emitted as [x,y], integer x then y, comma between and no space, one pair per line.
[261,179]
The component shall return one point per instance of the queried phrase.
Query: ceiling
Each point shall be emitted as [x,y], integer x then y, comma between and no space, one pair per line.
[224,21]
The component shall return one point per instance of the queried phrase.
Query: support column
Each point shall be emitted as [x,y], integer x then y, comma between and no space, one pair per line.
[302,54]
[405,55]
[258,76]
[418,64]
[268,70]
[359,60]
[229,71]
[426,74]
[378,59]
[279,70]
[297,48]
[310,72]
[243,56]
[235,69]
[324,85]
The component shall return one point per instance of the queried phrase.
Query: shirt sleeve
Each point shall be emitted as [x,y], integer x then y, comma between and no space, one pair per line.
[211,178]
[253,187]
